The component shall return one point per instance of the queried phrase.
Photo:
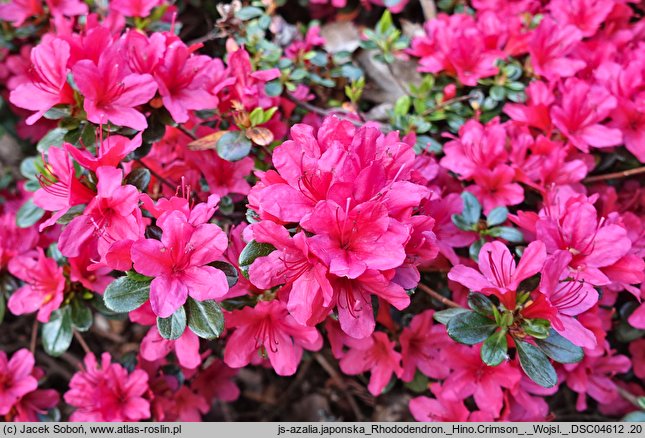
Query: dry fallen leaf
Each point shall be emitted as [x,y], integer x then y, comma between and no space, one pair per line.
[260,136]
[207,142]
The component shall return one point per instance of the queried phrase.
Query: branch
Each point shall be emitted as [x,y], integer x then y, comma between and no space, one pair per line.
[81,341]
[340,383]
[429,9]
[628,396]
[34,336]
[615,175]
[437,296]
[156,175]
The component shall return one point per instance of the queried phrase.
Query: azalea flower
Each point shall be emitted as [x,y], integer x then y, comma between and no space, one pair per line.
[375,354]
[44,285]
[110,152]
[269,330]
[421,345]
[552,48]
[444,408]
[179,262]
[155,347]
[16,377]
[48,85]
[105,391]
[111,92]
[499,274]
[569,297]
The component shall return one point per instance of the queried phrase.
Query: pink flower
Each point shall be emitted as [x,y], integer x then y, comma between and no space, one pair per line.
[136,8]
[216,382]
[551,48]
[155,347]
[13,239]
[375,354]
[353,300]
[478,147]
[223,177]
[84,269]
[569,297]
[421,345]
[179,262]
[16,378]
[586,15]
[495,188]
[183,80]
[111,92]
[593,377]
[68,8]
[48,85]
[499,273]
[112,218]
[269,330]
[301,272]
[471,376]
[18,11]
[353,239]
[109,152]
[444,408]
[43,291]
[455,45]
[60,189]
[571,224]
[106,392]
[637,350]
[637,318]
[535,113]
[579,115]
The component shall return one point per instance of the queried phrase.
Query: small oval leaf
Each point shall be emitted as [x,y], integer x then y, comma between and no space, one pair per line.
[205,318]
[125,294]
[470,328]
[174,326]
[494,349]
[535,364]
[560,349]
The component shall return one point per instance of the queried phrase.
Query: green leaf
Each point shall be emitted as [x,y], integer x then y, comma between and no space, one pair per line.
[74,211]
[229,270]
[402,106]
[139,177]
[125,294]
[81,315]
[252,251]
[462,223]
[173,326]
[444,316]
[497,216]
[256,116]
[28,214]
[56,113]
[636,416]
[497,92]
[98,303]
[233,146]
[205,318]
[57,333]
[249,13]
[29,169]
[3,306]
[507,233]
[55,137]
[472,209]
[474,249]
[495,348]
[419,384]
[538,328]
[273,88]
[133,275]
[560,349]
[481,304]
[535,364]
[470,328]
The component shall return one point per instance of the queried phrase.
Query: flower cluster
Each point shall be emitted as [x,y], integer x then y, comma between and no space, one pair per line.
[452,213]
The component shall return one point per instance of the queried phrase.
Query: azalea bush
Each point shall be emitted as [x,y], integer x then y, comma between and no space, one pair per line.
[374,210]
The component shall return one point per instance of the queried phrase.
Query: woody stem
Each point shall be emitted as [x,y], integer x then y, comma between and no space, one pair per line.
[81,341]
[615,175]
[628,396]
[34,336]
[156,175]
[437,296]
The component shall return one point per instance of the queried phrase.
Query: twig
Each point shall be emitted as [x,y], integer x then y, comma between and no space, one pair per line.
[338,380]
[615,175]
[444,104]
[429,9]
[211,35]
[187,132]
[81,341]
[34,336]
[436,295]
[628,396]
[156,175]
